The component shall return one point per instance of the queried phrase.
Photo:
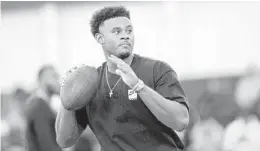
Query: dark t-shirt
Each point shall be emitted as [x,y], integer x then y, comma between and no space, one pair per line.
[40,129]
[122,124]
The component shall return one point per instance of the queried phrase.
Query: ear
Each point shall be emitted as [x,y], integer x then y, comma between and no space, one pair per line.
[100,39]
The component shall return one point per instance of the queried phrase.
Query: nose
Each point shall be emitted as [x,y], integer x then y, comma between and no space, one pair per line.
[125,36]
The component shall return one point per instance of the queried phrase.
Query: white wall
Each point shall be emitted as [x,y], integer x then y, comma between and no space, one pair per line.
[197,38]
[221,36]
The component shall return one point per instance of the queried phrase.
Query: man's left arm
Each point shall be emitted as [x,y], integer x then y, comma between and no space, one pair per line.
[168,101]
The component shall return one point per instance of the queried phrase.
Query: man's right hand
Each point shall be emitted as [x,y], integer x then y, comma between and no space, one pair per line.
[67,126]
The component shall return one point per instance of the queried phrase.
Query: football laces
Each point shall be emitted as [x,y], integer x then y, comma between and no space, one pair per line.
[69,72]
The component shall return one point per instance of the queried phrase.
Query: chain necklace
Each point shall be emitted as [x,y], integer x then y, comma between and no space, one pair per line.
[111,90]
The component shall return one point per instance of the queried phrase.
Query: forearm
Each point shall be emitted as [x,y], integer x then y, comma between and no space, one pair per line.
[67,129]
[171,113]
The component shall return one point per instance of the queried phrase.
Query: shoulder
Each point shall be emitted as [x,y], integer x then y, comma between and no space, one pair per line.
[33,105]
[99,68]
[158,65]
[163,67]
[156,68]
[32,101]
[145,60]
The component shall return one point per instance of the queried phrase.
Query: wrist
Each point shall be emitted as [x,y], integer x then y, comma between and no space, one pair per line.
[134,84]
[139,86]
[66,112]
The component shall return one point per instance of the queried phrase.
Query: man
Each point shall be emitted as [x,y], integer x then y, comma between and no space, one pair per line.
[139,102]
[242,134]
[40,133]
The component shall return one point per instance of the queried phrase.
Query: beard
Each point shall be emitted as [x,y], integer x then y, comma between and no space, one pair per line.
[53,89]
[124,55]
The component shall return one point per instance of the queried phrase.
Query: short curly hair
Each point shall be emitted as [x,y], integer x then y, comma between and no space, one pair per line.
[107,13]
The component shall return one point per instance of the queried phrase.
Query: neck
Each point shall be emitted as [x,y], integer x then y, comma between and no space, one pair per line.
[43,92]
[112,67]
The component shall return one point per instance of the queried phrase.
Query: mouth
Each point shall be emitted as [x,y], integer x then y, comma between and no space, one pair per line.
[125,44]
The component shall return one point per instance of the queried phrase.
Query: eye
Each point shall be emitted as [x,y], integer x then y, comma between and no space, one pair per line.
[116,32]
[129,31]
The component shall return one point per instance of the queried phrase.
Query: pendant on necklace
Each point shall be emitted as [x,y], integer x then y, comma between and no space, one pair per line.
[110,93]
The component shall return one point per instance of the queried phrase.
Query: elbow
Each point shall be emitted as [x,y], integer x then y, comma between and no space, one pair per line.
[64,143]
[183,124]
[183,121]
[178,124]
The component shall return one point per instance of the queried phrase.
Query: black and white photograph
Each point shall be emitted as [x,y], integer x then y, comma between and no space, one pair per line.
[130,75]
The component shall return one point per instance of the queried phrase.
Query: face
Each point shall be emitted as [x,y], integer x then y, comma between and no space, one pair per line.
[116,36]
[51,80]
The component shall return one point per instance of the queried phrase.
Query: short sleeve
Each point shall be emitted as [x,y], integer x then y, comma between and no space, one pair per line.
[82,118]
[167,83]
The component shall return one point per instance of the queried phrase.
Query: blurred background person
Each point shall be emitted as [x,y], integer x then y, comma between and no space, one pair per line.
[206,134]
[41,111]
[243,133]
[13,120]
[40,116]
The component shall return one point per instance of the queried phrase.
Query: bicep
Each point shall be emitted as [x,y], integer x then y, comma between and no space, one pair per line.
[168,85]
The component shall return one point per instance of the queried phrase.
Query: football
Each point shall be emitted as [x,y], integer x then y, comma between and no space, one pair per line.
[79,86]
